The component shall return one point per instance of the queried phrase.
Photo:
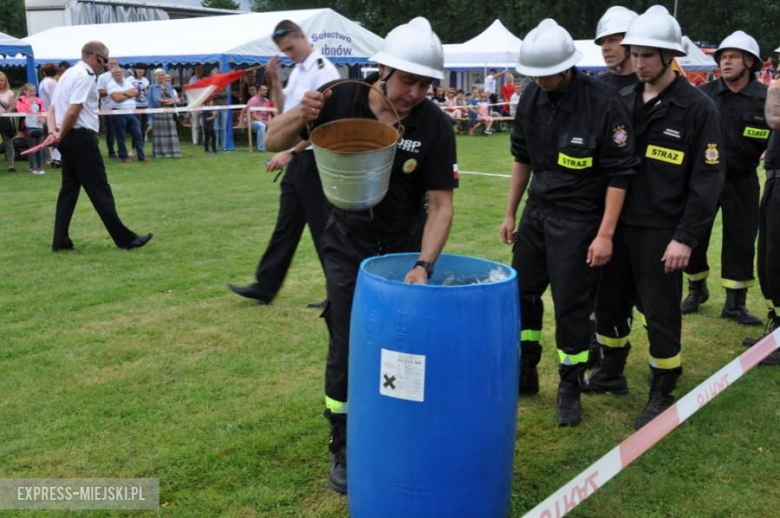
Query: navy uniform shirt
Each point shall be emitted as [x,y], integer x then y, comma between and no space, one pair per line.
[745,133]
[619,82]
[577,143]
[772,159]
[679,141]
[425,160]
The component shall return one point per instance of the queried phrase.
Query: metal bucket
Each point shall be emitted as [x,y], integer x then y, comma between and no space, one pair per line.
[355,159]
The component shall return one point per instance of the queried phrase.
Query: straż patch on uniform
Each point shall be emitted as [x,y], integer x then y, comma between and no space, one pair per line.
[620,136]
[711,154]
[664,154]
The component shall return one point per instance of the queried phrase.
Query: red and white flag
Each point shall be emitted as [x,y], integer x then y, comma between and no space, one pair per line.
[201,91]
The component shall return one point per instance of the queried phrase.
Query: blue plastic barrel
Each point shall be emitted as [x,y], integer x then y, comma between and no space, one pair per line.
[433,374]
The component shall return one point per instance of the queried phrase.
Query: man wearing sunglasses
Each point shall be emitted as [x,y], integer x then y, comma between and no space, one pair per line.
[73,119]
[301,200]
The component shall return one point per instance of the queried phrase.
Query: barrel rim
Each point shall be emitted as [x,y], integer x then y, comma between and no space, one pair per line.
[352,119]
[511,278]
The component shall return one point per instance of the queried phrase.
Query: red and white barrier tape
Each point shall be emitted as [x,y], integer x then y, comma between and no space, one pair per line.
[140,111]
[599,473]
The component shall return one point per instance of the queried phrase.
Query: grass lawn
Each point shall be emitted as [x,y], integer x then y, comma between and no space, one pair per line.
[141,363]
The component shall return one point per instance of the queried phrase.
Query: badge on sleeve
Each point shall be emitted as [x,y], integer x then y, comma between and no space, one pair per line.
[711,154]
[410,165]
[320,63]
[620,136]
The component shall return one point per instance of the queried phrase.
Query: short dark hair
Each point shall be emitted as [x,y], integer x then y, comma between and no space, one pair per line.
[49,70]
[285,28]
[64,64]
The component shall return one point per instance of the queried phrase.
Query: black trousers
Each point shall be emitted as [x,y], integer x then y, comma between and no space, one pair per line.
[769,244]
[739,205]
[343,249]
[551,250]
[301,201]
[82,166]
[635,277]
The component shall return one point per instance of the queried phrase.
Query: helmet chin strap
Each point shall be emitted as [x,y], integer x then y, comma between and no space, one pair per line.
[663,70]
[619,67]
[383,80]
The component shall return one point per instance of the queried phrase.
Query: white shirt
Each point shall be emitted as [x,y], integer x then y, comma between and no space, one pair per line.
[513,102]
[113,86]
[314,72]
[142,85]
[102,83]
[77,86]
[490,84]
[46,90]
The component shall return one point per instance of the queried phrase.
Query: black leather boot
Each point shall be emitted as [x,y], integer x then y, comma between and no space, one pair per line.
[337,479]
[735,308]
[698,294]
[569,412]
[662,384]
[530,354]
[608,376]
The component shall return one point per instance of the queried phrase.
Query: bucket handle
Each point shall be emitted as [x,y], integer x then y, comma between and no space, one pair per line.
[367,85]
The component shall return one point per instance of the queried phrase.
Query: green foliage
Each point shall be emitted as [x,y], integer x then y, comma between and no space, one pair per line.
[13,20]
[456,21]
[220,4]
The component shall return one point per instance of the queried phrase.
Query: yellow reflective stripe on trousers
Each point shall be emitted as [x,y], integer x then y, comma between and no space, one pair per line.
[530,335]
[572,359]
[666,363]
[736,285]
[697,276]
[337,407]
[608,341]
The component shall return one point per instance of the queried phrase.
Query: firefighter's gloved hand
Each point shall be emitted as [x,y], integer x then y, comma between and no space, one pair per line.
[676,256]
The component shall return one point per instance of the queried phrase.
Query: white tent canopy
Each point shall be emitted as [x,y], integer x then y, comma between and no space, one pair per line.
[242,39]
[695,60]
[495,47]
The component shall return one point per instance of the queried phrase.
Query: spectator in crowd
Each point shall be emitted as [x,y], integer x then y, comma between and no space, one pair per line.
[107,104]
[490,86]
[7,127]
[195,116]
[46,89]
[258,120]
[123,95]
[438,95]
[483,116]
[141,84]
[209,124]
[174,93]
[471,107]
[220,123]
[507,91]
[451,105]
[62,67]
[165,139]
[33,125]
[515,99]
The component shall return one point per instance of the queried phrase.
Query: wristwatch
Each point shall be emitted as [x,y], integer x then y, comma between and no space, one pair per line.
[427,266]
[292,151]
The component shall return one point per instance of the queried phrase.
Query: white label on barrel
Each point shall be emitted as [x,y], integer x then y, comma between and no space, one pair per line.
[402,375]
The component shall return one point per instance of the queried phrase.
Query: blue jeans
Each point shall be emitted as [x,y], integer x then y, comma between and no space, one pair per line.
[124,124]
[258,128]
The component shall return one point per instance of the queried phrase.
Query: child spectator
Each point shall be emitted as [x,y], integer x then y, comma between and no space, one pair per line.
[33,125]
[483,115]
[472,103]
[515,99]
[210,129]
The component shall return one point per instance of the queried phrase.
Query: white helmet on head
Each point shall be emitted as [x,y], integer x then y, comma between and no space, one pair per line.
[655,28]
[739,40]
[413,48]
[616,20]
[547,50]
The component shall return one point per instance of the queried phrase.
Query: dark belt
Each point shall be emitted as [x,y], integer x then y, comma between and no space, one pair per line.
[82,130]
[771,174]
